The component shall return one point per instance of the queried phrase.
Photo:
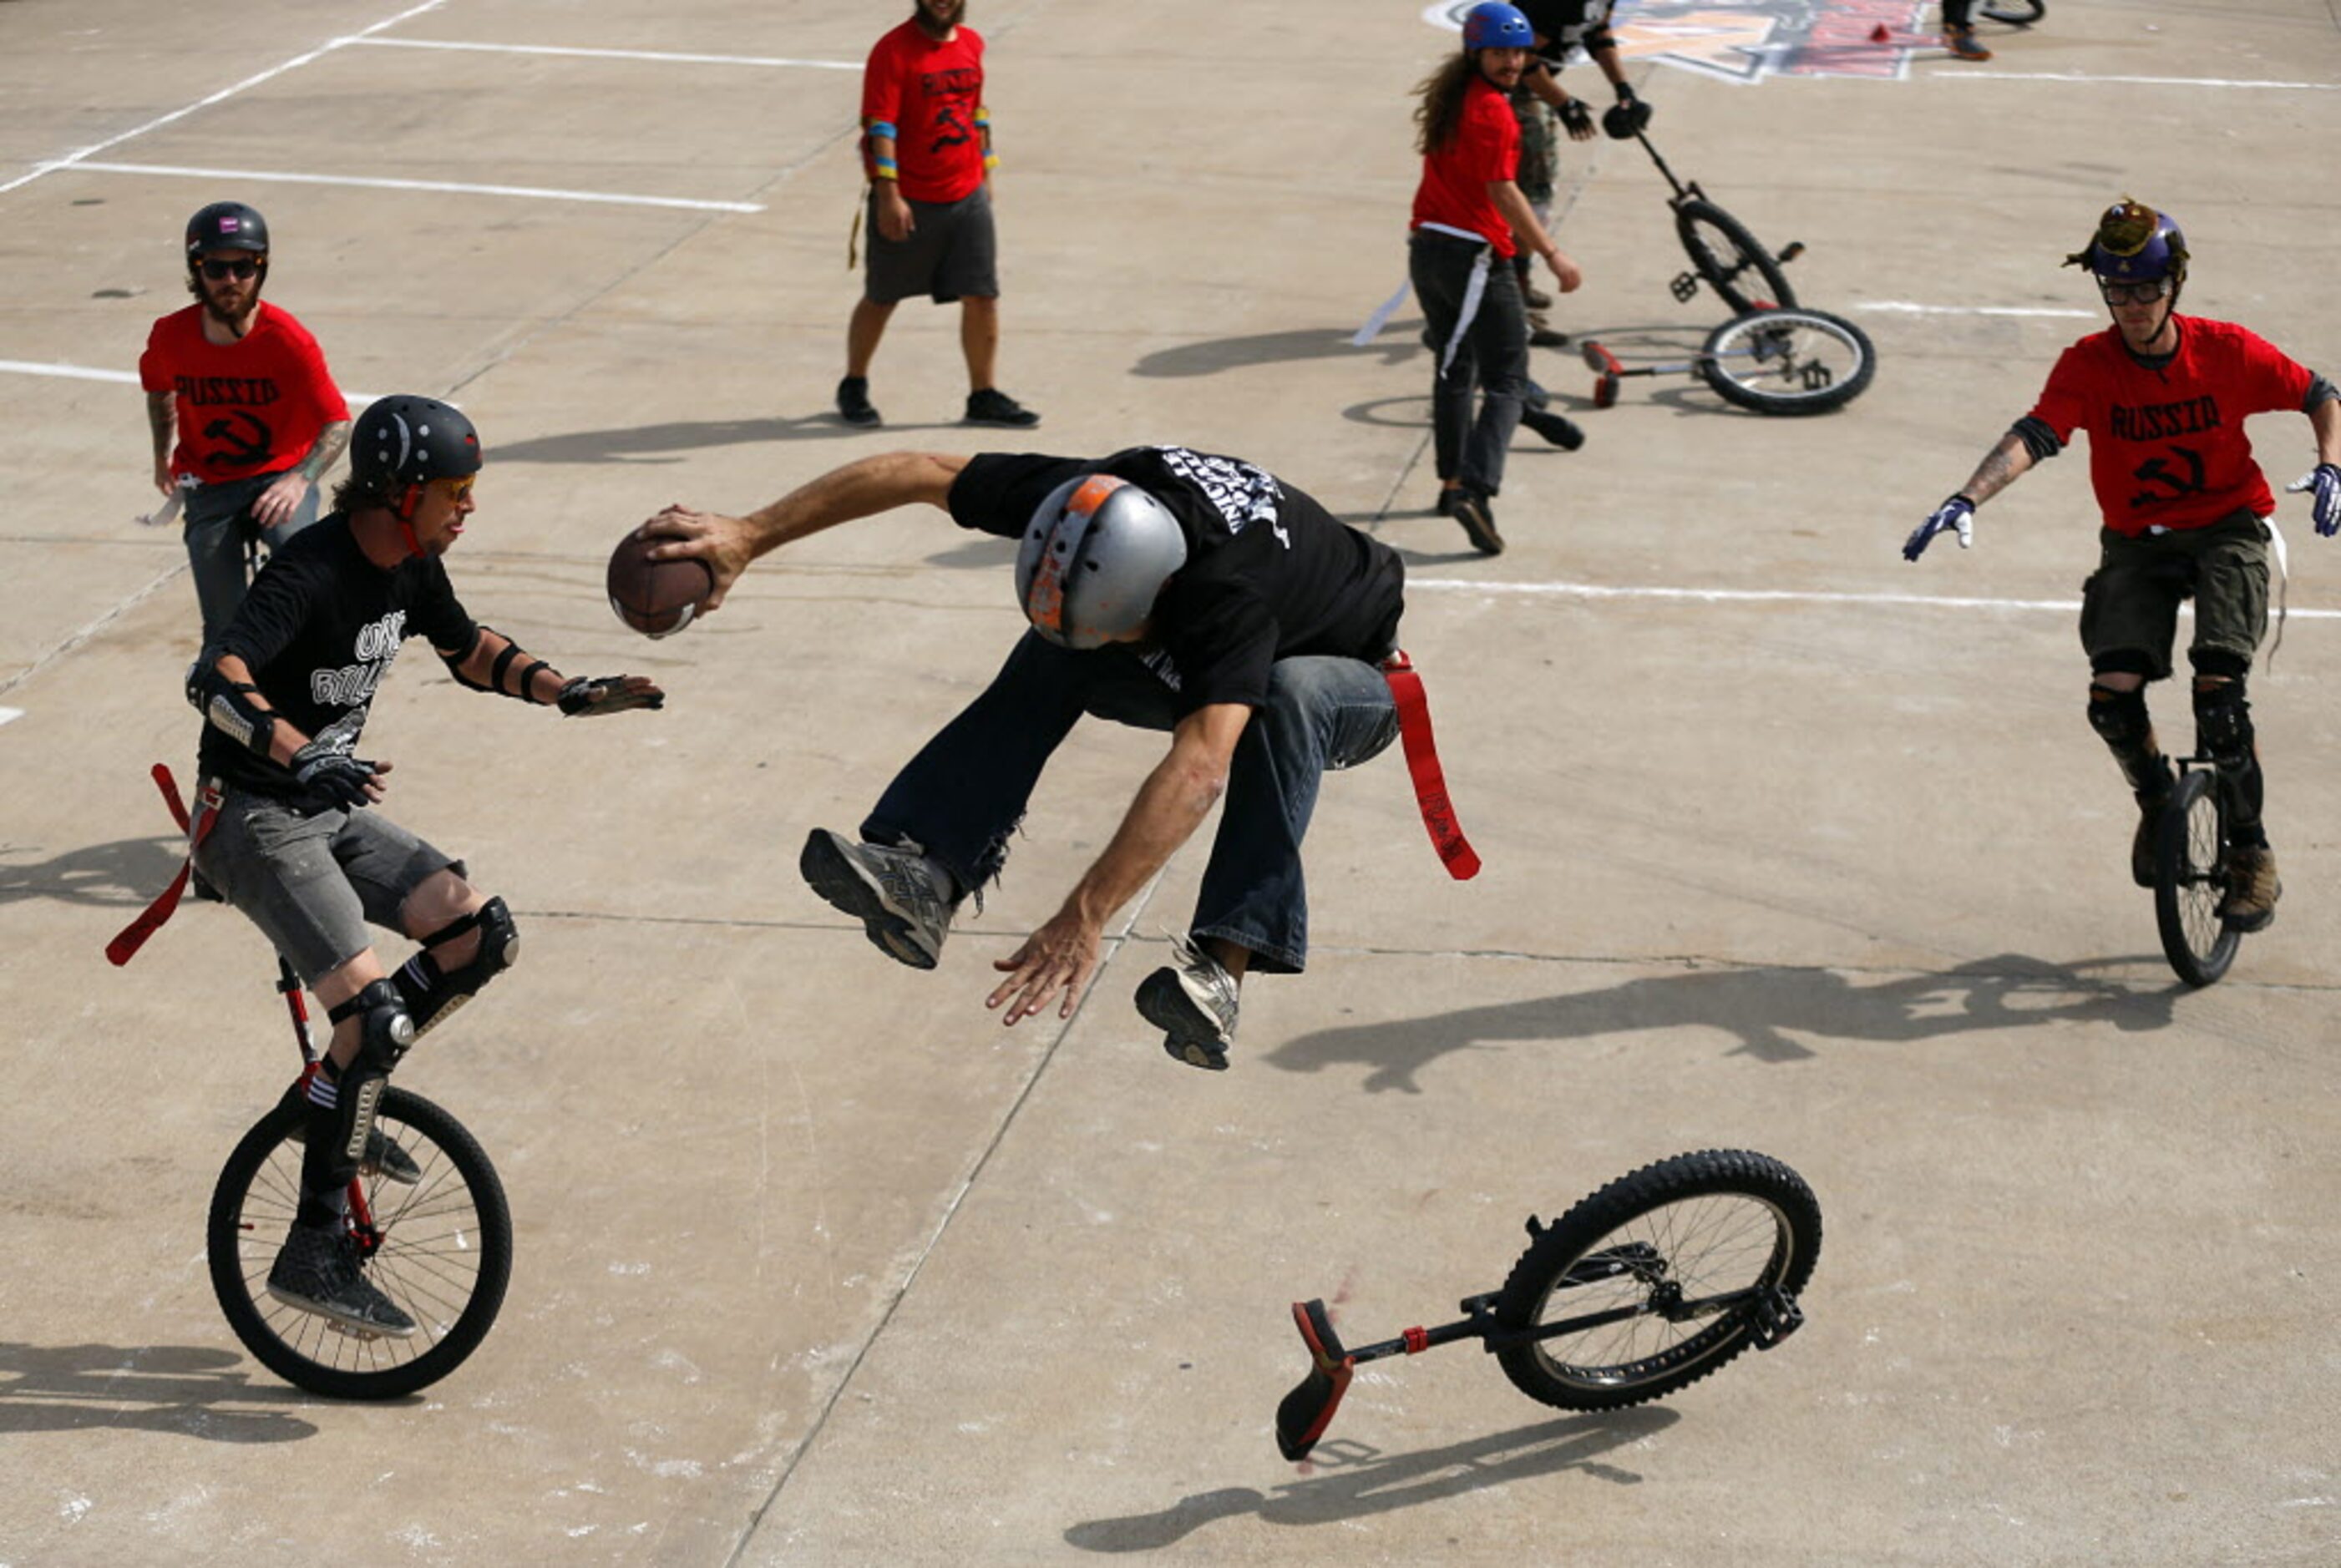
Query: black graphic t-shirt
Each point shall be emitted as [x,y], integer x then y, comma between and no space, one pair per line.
[1270,574]
[319,630]
[1564,24]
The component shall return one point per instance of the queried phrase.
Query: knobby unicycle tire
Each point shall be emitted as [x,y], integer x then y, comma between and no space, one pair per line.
[444,1256]
[1789,361]
[2190,880]
[2015,13]
[1736,265]
[1682,1254]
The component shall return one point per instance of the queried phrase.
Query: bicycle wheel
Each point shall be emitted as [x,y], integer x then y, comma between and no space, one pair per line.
[2015,13]
[2190,877]
[444,1256]
[1791,361]
[1677,1253]
[1735,265]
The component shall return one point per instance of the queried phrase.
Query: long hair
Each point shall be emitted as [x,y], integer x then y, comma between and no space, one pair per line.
[1441,112]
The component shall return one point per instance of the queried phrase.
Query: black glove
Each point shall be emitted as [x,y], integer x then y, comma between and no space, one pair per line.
[1576,118]
[1625,119]
[589,696]
[334,776]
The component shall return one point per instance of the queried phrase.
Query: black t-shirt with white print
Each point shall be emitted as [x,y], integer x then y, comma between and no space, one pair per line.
[1270,574]
[319,630]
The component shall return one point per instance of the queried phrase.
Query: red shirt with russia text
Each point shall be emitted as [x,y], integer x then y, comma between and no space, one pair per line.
[245,408]
[2167,447]
[1486,146]
[930,92]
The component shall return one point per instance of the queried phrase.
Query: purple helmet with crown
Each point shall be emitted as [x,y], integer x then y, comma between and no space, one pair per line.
[2134,245]
[1493,25]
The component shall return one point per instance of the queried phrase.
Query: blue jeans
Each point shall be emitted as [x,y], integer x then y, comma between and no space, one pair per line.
[217,522]
[963,794]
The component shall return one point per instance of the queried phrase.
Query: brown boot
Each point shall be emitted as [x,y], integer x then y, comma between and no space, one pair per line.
[2251,889]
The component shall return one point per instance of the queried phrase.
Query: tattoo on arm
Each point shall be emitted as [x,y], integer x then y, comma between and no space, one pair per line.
[331,441]
[163,419]
[1998,470]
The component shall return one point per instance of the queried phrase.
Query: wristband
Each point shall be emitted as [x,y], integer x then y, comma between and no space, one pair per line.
[883,128]
[990,162]
[884,169]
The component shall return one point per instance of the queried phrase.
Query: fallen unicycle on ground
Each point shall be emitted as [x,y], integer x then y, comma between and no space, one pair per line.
[1775,362]
[1646,1286]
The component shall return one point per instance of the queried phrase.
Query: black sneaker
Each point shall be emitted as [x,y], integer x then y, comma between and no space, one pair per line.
[1541,336]
[1479,522]
[853,402]
[317,1271]
[992,406]
[1446,507]
[1561,431]
[1535,298]
[1194,1000]
[2142,842]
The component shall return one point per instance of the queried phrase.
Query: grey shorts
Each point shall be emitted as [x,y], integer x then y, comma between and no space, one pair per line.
[951,252]
[312,879]
[2130,606]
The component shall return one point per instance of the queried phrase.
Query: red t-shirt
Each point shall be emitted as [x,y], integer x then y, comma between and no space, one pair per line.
[2167,447]
[930,92]
[1486,146]
[244,408]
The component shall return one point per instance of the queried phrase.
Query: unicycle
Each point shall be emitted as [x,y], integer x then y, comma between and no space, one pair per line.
[1723,254]
[2190,876]
[2015,13]
[426,1214]
[1650,1284]
[1773,362]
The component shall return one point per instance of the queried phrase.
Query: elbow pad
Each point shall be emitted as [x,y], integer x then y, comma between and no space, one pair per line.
[454,661]
[2038,438]
[226,708]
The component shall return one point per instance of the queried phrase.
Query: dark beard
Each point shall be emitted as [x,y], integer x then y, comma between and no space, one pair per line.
[928,25]
[239,325]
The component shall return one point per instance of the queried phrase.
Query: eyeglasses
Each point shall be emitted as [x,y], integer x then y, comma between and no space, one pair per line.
[2144,294]
[217,270]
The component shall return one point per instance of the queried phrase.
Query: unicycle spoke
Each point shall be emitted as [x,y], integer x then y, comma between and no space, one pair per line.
[2190,881]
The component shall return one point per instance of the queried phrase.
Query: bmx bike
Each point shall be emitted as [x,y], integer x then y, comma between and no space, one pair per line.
[1648,1285]
[2191,873]
[1789,360]
[1724,255]
[427,1217]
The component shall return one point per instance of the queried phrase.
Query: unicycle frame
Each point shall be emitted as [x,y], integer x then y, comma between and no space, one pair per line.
[1684,285]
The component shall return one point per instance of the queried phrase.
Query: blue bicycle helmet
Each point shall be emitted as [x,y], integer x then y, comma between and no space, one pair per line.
[2134,245]
[1493,25]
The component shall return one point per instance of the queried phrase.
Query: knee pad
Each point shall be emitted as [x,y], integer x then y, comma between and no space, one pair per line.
[2120,718]
[2223,717]
[430,991]
[358,1091]
[389,1026]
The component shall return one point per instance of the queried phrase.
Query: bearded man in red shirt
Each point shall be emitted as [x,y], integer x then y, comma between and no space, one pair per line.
[245,416]
[2164,398]
[926,147]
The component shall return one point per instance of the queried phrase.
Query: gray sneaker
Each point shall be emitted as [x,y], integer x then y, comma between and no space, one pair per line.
[1195,999]
[317,1271]
[897,893]
[2251,889]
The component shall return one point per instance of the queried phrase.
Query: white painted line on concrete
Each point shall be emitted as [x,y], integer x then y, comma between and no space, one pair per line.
[95,374]
[1760,596]
[655,55]
[1906,308]
[532,193]
[10,715]
[73,160]
[2132,81]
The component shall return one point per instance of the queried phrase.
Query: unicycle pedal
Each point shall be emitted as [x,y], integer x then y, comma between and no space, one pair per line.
[1772,1315]
[1684,287]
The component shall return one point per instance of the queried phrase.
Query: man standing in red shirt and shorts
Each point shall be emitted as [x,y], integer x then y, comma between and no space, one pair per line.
[1467,212]
[2164,398]
[245,416]
[927,147]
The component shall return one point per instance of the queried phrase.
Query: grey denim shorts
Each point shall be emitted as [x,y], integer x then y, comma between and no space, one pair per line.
[312,877]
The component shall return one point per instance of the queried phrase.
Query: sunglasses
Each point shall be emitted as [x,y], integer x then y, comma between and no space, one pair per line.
[217,270]
[457,490]
[2135,293]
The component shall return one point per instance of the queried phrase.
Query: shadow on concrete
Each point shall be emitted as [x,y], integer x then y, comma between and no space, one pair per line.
[126,874]
[1347,1480]
[1754,1007]
[979,551]
[672,443]
[181,1391]
[1399,341]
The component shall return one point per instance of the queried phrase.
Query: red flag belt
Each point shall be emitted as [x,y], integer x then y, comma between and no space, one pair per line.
[133,935]
[1455,850]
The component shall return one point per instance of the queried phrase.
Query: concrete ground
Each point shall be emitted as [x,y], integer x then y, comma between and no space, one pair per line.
[1789,845]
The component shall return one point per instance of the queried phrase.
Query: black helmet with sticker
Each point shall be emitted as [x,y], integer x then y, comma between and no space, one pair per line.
[406,440]
[226,226]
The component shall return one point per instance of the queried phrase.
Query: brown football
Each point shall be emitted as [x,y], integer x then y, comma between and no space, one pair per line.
[656,598]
